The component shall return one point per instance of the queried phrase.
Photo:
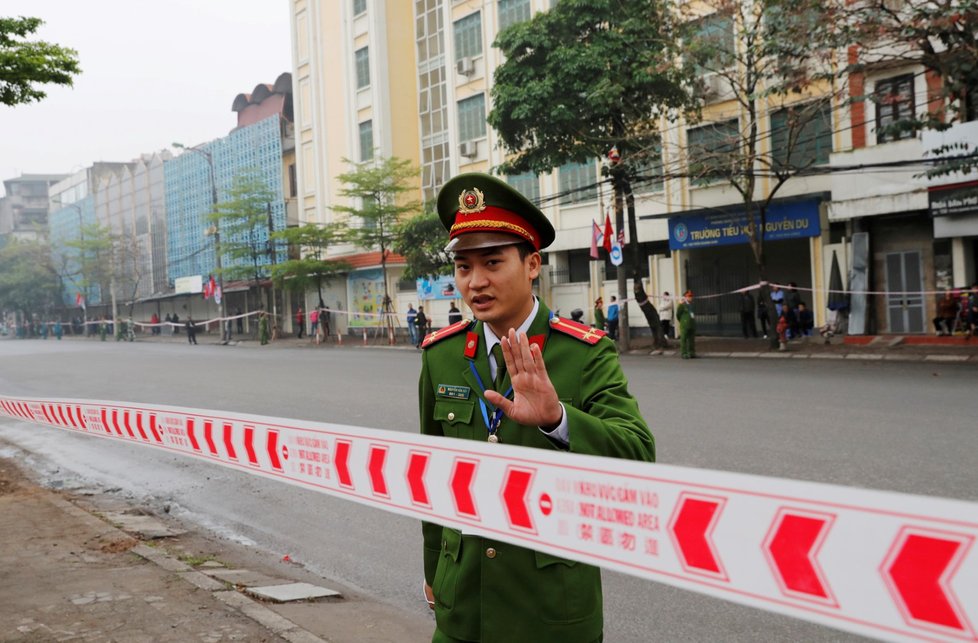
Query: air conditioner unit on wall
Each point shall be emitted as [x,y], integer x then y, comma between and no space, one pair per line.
[713,86]
[465,66]
[468,149]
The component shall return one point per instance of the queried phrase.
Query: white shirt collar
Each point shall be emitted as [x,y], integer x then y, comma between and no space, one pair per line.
[492,340]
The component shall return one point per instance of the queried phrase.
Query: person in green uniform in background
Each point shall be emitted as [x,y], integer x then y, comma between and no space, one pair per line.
[687,326]
[263,327]
[600,321]
[521,376]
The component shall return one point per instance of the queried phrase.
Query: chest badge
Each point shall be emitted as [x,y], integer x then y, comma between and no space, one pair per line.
[453,392]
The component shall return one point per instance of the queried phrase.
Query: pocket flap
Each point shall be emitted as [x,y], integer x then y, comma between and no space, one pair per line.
[454,411]
[544,559]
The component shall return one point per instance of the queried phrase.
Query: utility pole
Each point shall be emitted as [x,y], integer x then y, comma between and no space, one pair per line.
[272,258]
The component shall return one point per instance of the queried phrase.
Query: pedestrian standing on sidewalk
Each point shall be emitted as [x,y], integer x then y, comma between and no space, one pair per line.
[314,324]
[263,327]
[666,308]
[747,326]
[454,314]
[762,316]
[612,320]
[502,378]
[191,331]
[421,320]
[600,321]
[412,325]
[300,323]
[687,326]
[324,321]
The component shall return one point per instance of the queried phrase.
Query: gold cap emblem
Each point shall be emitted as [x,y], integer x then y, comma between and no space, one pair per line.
[471,201]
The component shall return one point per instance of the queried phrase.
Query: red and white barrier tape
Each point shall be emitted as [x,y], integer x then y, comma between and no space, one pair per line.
[883,564]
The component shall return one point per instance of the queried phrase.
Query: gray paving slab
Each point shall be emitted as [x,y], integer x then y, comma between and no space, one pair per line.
[292,592]
[778,355]
[865,356]
[245,577]
[146,527]
[828,356]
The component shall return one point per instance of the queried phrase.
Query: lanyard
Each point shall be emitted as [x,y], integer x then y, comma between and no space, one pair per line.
[492,425]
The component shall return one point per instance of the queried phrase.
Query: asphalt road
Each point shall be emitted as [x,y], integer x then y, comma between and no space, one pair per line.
[906,427]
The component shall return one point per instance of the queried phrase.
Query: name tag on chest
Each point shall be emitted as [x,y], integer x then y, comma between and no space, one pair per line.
[453,392]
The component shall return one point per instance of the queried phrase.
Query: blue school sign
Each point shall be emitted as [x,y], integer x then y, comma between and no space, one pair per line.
[793,220]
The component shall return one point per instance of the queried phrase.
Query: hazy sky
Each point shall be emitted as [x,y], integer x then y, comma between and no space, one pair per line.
[152,73]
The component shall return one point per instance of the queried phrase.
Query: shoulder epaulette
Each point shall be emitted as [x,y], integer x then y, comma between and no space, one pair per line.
[436,336]
[577,330]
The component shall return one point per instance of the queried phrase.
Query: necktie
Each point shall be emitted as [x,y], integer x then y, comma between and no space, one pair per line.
[497,353]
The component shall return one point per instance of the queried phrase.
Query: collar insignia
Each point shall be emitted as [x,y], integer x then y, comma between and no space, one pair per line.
[471,201]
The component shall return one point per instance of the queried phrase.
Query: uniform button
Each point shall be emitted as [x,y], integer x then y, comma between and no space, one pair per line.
[490,553]
[451,416]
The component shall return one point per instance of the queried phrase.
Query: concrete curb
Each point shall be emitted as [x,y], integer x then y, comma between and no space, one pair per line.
[254,610]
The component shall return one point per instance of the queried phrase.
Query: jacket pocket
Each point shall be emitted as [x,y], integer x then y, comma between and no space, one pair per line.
[573,590]
[445,582]
[453,415]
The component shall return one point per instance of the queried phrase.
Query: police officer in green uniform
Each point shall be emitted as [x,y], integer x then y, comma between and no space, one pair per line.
[522,376]
[687,326]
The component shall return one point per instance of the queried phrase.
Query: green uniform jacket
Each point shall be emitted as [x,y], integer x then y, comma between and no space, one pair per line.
[687,322]
[512,593]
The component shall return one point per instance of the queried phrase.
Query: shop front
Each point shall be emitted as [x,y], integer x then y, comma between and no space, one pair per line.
[716,259]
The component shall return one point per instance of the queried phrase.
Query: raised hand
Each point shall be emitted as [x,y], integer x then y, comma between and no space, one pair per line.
[535,401]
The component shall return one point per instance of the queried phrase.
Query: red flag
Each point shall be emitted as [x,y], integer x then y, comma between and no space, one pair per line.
[595,239]
[621,237]
[80,300]
[609,234]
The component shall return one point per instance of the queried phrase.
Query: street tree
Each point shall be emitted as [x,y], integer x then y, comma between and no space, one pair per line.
[29,282]
[91,259]
[241,225]
[310,267]
[756,62]
[421,240]
[939,35]
[583,78]
[27,64]
[379,194]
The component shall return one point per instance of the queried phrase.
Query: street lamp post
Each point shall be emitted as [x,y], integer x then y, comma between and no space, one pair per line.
[215,231]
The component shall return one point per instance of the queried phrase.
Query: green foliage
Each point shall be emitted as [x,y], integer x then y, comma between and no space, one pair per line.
[242,222]
[380,194]
[28,281]
[583,77]
[24,64]
[312,269]
[421,240]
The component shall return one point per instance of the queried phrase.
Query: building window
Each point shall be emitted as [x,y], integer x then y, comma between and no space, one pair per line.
[293,186]
[513,11]
[527,184]
[363,67]
[359,6]
[715,37]
[711,150]
[468,36]
[472,118]
[801,136]
[366,140]
[577,182]
[894,107]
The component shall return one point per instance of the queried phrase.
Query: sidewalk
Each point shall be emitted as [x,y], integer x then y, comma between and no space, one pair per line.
[68,574]
[854,347]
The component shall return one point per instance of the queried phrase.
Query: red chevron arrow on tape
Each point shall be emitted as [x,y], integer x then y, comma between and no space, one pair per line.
[342,461]
[271,446]
[417,465]
[375,466]
[463,473]
[516,491]
[791,547]
[918,572]
[691,527]
[228,444]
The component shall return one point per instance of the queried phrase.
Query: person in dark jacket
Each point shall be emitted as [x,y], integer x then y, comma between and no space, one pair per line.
[747,326]
[191,330]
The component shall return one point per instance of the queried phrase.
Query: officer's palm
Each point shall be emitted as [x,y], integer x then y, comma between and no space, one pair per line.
[535,401]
